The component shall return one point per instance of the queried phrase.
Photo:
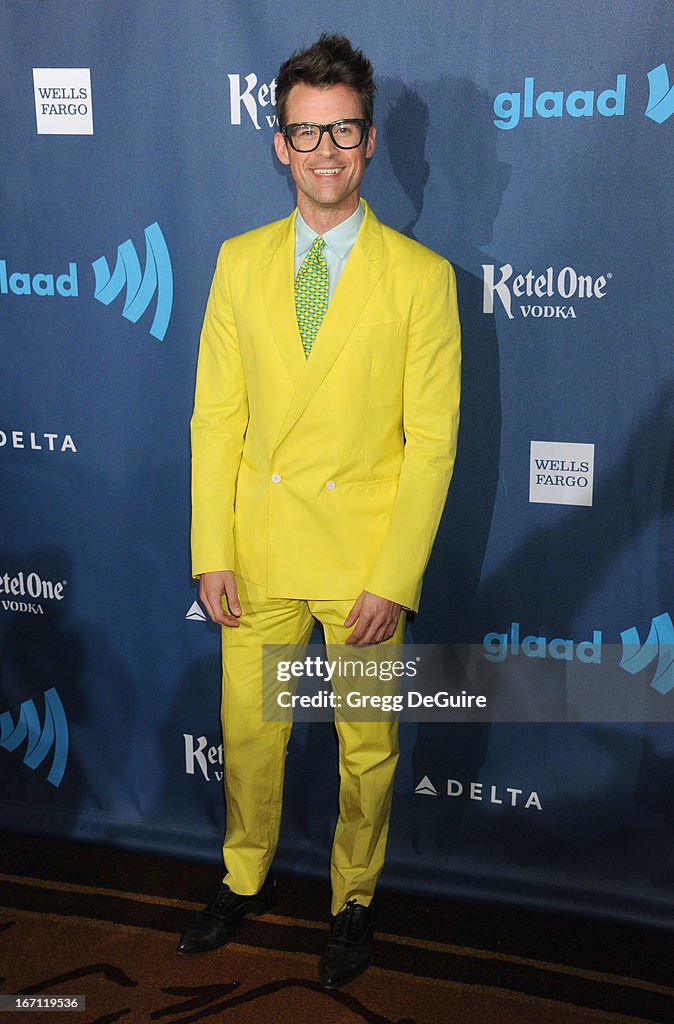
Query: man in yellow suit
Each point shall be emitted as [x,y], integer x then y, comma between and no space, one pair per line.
[323,439]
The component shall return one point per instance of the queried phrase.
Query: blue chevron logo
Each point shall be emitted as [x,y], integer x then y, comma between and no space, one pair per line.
[659,645]
[660,105]
[157,278]
[40,738]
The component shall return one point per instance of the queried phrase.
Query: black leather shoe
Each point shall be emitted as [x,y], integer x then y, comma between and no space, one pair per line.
[214,925]
[349,949]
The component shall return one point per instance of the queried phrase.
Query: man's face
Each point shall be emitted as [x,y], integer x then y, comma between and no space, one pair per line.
[327,179]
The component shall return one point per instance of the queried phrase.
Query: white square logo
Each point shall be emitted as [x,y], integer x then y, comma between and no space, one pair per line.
[561,473]
[63,101]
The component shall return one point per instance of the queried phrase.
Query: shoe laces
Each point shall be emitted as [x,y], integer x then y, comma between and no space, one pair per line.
[347,921]
[221,899]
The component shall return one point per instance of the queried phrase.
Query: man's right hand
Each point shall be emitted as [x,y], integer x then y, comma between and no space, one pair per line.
[212,587]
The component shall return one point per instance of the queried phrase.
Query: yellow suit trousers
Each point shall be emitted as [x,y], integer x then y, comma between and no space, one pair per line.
[254,753]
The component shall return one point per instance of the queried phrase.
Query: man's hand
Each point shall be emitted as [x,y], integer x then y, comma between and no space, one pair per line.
[212,587]
[377,619]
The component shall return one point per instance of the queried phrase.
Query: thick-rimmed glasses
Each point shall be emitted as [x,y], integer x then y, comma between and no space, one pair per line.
[346,134]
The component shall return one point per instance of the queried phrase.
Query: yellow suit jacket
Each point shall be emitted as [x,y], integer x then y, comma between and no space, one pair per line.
[320,478]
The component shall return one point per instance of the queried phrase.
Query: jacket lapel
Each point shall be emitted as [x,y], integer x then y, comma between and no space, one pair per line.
[359,277]
[277,269]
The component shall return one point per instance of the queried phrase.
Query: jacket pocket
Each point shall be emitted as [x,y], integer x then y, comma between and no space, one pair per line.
[375,332]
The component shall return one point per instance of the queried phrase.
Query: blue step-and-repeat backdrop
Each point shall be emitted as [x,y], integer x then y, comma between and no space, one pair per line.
[529,143]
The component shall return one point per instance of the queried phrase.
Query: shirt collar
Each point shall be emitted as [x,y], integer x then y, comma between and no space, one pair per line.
[340,239]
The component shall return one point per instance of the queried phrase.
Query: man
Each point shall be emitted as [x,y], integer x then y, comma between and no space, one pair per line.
[324,433]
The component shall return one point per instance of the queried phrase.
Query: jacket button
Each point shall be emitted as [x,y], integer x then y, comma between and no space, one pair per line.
[330,486]
[276,479]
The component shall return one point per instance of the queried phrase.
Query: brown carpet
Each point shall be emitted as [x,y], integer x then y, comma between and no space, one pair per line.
[85,920]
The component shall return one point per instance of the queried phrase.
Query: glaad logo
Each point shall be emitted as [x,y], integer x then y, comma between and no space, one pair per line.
[659,644]
[635,655]
[660,95]
[550,284]
[40,739]
[474,791]
[202,756]
[32,586]
[140,289]
[249,98]
[497,647]
[509,107]
[21,283]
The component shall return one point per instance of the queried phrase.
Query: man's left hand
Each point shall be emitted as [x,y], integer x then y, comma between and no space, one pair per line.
[376,619]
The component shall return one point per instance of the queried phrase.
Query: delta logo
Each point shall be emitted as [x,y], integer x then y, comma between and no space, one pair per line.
[483,792]
[195,613]
[141,285]
[531,102]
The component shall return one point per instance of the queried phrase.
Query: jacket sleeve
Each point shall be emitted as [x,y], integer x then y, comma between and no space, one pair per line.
[218,428]
[430,421]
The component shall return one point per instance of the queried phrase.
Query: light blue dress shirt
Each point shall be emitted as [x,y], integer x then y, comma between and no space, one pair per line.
[339,242]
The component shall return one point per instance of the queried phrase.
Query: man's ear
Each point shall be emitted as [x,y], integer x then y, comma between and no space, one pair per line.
[371,143]
[281,147]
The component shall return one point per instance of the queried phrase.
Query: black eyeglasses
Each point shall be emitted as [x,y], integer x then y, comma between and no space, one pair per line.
[347,134]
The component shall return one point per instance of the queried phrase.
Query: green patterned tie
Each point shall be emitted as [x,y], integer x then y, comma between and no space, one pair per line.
[311,294]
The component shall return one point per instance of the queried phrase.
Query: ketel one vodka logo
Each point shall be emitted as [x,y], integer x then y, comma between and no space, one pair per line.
[256,99]
[40,738]
[26,592]
[540,294]
[203,756]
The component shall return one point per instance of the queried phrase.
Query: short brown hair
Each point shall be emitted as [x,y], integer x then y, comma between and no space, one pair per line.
[330,61]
